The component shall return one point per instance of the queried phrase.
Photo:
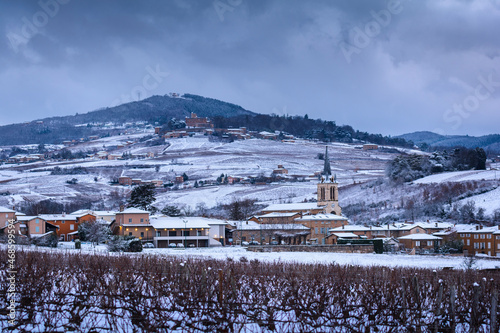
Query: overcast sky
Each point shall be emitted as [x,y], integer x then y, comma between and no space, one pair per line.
[388,67]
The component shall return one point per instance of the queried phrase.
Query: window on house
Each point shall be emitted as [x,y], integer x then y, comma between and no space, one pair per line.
[475,236]
[468,242]
[142,220]
[198,233]
[418,231]
[417,243]
[62,222]
[37,221]
[483,246]
[142,234]
[130,233]
[158,234]
[316,230]
[322,230]
[489,245]
[172,233]
[129,220]
[185,233]
[71,227]
[429,243]
[482,236]
[37,229]
[488,236]
[476,245]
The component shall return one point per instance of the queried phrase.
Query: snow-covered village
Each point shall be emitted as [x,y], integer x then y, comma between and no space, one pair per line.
[237,166]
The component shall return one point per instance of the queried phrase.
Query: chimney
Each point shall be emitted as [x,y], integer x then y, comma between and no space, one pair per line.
[477,227]
[481,227]
[122,208]
[63,214]
[427,221]
[342,226]
[436,223]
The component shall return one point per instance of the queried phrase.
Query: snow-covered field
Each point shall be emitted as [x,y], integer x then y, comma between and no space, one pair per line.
[200,159]
[237,252]
[460,176]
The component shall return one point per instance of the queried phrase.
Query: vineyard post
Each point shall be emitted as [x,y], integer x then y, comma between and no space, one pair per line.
[452,307]
[221,280]
[416,290]
[474,315]
[437,312]
[494,305]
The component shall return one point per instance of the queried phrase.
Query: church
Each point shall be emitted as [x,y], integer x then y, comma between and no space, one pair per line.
[319,217]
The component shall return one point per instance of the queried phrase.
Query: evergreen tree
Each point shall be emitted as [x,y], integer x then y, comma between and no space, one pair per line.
[171,211]
[142,196]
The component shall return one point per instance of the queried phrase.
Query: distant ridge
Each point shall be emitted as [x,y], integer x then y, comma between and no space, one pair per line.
[487,142]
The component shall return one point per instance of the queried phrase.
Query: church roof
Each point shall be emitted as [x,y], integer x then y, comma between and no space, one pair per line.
[292,206]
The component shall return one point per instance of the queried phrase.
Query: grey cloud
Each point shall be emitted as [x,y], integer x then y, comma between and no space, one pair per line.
[263,55]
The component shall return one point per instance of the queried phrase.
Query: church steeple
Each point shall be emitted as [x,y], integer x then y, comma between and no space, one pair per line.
[327,170]
[328,193]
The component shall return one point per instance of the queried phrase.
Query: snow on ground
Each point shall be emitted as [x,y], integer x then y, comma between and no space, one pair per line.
[237,252]
[460,176]
[490,201]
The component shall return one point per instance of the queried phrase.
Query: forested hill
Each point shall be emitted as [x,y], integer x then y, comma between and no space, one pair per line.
[436,141]
[156,109]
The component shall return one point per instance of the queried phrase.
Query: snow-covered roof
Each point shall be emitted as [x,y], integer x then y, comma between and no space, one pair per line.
[58,217]
[28,218]
[277,214]
[104,212]
[6,210]
[345,235]
[475,229]
[420,237]
[357,227]
[292,206]
[133,210]
[40,235]
[322,217]
[167,222]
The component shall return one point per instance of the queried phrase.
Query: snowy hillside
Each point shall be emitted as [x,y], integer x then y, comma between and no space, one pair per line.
[198,158]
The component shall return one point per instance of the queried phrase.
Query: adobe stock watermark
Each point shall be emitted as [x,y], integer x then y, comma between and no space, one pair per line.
[11,272]
[361,37]
[222,6]
[31,28]
[150,82]
[460,111]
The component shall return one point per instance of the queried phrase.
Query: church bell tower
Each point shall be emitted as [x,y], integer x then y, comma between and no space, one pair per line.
[328,193]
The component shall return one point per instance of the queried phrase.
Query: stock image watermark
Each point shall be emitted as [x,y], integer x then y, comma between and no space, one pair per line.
[361,37]
[11,272]
[462,110]
[223,6]
[31,27]
[150,82]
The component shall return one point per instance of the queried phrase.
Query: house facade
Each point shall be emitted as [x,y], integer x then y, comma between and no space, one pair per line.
[133,222]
